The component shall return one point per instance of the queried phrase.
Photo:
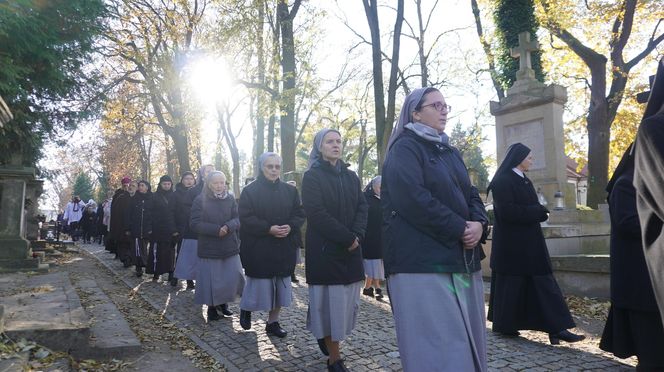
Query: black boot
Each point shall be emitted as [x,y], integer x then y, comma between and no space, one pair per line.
[139,271]
[190,284]
[155,277]
[224,310]
[173,280]
[337,366]
[212,313]
[275,329]
[379,294]
[245,319]
[368,292]
[564,335]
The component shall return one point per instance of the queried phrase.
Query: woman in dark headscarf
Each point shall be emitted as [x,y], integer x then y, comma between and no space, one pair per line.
[139,225]
[372,246]
[182,210]
[434,221]
[336,221]
[214,218]
[634,326]
[185,267]
[270,215]
[524,293]
[161,259]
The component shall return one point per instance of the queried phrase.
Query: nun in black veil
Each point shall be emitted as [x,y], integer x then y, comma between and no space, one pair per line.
[633,326]
[524,293]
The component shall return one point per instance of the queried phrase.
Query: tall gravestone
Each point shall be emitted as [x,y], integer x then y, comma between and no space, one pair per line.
[532,113]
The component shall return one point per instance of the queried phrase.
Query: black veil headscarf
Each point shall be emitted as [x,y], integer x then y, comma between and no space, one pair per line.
[625,165]
[656,98]
[515,155]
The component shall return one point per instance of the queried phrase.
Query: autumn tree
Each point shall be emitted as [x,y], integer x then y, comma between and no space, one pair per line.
[609,67]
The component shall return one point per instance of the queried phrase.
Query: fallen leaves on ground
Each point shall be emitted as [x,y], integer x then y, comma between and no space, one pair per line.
[586,307]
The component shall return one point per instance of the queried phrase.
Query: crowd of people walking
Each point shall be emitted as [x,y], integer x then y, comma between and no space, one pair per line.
[419,227]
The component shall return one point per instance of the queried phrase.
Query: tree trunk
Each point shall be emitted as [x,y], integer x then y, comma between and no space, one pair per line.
[420,45]
[170,167]
[287,101]
[599,135]
[371,11]
[392,86]
[259,144]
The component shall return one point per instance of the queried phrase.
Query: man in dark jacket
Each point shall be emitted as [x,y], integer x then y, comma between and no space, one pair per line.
[270,216]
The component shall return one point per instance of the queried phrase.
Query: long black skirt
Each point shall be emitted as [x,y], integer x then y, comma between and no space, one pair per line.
[161,258]
[633,332]
[529,303]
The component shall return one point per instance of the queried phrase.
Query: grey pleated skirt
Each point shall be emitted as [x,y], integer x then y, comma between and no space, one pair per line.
[374,269]
[333,310]
[266,294]
[218,280]
[439,320]
[185,265]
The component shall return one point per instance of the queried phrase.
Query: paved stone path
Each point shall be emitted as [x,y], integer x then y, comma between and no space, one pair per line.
[371,347]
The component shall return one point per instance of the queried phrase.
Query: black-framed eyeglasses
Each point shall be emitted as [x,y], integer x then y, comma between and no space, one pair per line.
[439,106]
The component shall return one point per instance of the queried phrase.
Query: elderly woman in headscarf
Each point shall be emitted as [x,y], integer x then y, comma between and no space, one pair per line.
[161,259]
[187,260]
[336,221]
[214,218]
[434,223]
[270,215]
[372,246]
[524,293]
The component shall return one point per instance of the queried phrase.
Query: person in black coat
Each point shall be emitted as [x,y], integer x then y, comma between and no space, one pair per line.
[88,222]
[372,249]
[187,261]
[118,242]
[214,218]
[634,326]
[138,225]
[161,257]
[337,218]
[270,215]
[524,293]
[649,183]
[434,222]
[182,211]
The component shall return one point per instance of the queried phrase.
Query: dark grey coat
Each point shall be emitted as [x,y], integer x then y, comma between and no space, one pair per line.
[208,215]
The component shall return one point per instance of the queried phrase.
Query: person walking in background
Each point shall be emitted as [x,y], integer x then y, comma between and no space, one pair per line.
[524,293]
[187,262]
[336,221]
[119,242]
[72,216]
[161,258]
[434,223]
[138,225]
[182,211]
[214,218]
[372,249]
[104,218]
[88,222]
[298,241]
[270,215]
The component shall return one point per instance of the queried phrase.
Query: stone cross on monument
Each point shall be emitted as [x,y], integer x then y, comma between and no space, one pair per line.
[522,52]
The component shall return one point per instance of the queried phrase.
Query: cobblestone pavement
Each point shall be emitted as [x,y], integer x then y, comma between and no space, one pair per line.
[371,347]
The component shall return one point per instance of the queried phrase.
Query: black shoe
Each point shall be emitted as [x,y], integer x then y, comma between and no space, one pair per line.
[368,291]
[293,279]
[174,282]
[245,319]
[139,272]
[190,284]
[564,335]
[275,329]
[224,310]
[155,277]
[212,313]
[322,346]
[337,366]
[379,294]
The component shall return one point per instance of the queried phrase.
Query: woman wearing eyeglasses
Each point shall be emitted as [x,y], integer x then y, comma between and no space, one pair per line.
[336,221]
[434,221]
[270,215]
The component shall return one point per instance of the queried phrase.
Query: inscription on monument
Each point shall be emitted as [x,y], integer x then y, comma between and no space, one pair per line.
[531,134]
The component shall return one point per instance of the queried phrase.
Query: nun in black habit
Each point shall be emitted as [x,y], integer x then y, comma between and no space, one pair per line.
[524,293]
[649,184]
[161,259]
[633,326]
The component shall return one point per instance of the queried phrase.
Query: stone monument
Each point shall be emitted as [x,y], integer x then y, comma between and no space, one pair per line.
[578,241]
[532,113]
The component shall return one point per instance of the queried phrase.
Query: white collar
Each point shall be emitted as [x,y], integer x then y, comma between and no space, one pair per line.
[518,171]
